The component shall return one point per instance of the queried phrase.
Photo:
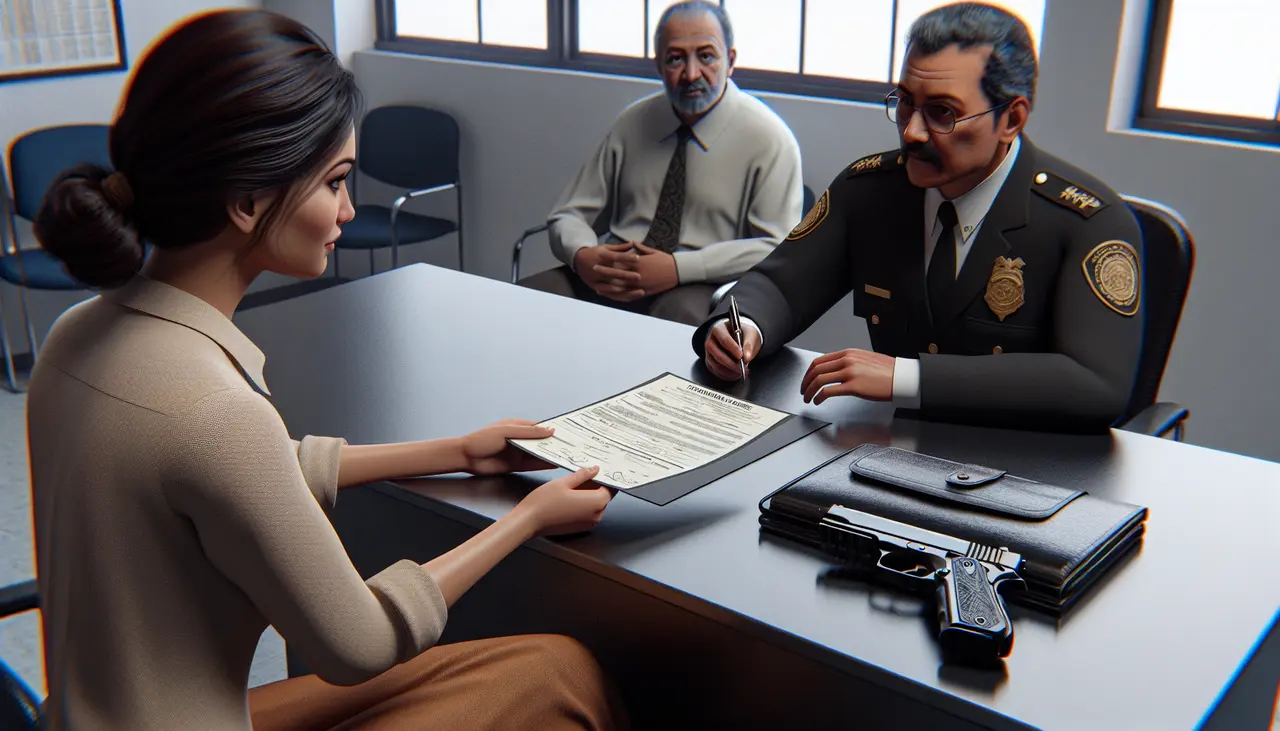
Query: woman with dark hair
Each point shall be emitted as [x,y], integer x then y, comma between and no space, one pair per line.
[175,518]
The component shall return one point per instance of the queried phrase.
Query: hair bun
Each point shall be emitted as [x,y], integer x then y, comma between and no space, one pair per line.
[115,188]
[84,221]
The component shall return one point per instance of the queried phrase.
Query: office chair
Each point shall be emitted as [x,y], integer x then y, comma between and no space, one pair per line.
[19,704]
[35,159]
[412,148]
[715,298]
[1168,258]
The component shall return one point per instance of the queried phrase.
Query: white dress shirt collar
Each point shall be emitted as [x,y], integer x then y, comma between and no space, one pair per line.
[972,207]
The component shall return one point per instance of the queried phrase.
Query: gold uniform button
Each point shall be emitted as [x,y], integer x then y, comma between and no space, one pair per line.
[1041,179]
[875,319]
[997,350]
[933,348]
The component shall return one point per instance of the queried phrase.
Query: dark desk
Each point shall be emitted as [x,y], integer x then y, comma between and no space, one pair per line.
[707,623]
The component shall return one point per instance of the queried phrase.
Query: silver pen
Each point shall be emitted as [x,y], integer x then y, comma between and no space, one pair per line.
[735,325]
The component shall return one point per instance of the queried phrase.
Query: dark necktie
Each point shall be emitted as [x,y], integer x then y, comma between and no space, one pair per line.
[664,232]
[942,265]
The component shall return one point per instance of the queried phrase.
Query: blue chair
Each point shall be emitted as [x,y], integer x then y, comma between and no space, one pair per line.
[809,200]
[35,159]
[413,148]
[19,704]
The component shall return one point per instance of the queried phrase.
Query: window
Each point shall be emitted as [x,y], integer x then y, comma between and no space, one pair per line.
[849,49]
[1213,70]
[499,23]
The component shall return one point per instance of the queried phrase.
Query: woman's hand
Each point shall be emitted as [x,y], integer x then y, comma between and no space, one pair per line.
[569,504]
[486,452]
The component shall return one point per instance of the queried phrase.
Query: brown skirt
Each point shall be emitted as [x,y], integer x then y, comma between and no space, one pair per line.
[527,682]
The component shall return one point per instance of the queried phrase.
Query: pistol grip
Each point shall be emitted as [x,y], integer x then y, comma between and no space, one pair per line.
[974,626]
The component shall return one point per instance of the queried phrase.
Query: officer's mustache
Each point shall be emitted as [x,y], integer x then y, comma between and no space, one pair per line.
[922,151]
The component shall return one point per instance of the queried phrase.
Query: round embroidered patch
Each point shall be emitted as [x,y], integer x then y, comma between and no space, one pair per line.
[1115,276]
[816,215]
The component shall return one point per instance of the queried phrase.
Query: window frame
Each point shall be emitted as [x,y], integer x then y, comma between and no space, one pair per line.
[1150,116]
[562,53]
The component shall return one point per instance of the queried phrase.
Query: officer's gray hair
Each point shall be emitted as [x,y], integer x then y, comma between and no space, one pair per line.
[1011,69]
[694,6]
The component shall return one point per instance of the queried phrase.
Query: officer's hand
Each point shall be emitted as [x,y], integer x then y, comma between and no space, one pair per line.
[722,353]
[849,373]
[610,271]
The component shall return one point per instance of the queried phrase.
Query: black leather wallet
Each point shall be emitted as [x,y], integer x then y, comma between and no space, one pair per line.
[1067,538]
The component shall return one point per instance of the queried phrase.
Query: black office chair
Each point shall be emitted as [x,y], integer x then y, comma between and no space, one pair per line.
[19,704]
[414,148]
[1167,263]
[518,249]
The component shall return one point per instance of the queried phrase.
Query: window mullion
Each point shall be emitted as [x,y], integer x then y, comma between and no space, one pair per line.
[804,19]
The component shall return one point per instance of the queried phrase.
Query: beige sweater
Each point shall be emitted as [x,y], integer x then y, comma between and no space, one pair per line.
[743,188]
[175,519]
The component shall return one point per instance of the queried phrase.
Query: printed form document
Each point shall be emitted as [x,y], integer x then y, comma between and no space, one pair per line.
[654,431]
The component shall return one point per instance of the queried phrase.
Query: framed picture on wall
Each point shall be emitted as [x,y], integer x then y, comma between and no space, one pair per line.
[42,38]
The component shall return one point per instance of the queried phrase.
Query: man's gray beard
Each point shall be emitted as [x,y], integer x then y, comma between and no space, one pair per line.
[696,105]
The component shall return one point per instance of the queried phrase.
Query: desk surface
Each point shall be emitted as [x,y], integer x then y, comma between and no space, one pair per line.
[422,352]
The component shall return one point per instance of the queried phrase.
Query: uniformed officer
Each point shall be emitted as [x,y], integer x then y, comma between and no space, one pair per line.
[1000,285]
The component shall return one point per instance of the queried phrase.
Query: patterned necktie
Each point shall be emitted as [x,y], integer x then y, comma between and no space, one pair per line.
[664,232]
[942,265]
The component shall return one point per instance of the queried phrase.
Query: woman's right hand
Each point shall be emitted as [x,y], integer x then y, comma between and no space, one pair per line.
[566,504]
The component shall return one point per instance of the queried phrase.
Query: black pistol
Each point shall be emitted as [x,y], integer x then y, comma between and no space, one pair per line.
[966,578]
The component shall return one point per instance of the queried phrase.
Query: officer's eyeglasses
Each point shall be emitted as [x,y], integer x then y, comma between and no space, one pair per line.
[938,118]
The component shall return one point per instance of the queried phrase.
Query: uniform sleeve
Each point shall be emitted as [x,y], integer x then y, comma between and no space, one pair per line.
[240,481]
[800,280]
[319,459]
[583,202]
[1084,385]
[777,202]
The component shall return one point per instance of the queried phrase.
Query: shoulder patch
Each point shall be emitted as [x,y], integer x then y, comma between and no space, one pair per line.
[1066,194]
[874,163]
[814,218]
[1115,276]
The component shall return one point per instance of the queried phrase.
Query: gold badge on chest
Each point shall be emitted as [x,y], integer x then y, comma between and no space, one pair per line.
[1004,288]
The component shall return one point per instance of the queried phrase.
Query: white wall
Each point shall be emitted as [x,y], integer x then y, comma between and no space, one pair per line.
[91,98]
[526,130]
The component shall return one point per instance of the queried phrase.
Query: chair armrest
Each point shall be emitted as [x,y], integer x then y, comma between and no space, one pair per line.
[1159,419]
[395,206]
[395,213]
[19,597]
[515,252]
[718,296]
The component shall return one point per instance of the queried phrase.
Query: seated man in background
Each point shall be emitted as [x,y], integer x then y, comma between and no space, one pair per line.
[678,218]
[1000,284]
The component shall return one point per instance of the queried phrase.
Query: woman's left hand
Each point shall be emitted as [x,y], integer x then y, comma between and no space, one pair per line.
[486,452]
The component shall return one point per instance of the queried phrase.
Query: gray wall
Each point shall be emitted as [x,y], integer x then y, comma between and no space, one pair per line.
[526,131]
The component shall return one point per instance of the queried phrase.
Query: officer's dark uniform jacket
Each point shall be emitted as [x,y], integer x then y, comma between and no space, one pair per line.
[1041,329]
